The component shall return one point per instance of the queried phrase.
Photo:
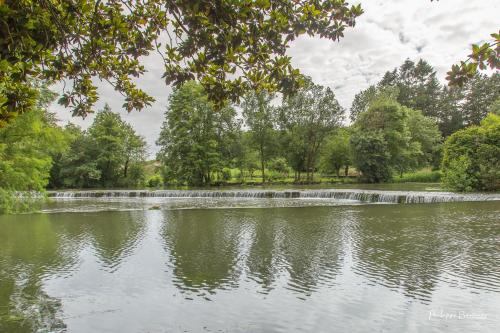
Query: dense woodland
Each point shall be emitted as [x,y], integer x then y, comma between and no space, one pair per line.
[406,122]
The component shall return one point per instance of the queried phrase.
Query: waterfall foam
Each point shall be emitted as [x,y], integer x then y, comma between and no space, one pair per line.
[335,194]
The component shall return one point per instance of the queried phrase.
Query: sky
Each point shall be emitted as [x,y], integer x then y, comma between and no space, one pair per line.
[385,35]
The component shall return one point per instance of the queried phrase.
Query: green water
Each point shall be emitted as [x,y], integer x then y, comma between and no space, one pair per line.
[350,268]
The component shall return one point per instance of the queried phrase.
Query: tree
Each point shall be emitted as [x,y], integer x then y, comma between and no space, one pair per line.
[190,139]
[117,146]
[425,138]
[371,156]
[364,98]
[415,86]
[135,153]
[479,92]
[336,152]
[205,40]
[259,116]
[108,154]
[389,137]
[306,119]
[450,116]
[26,146]
[471,157]
[381,140]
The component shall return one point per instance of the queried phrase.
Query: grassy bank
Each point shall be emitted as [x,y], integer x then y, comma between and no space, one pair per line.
[420,176]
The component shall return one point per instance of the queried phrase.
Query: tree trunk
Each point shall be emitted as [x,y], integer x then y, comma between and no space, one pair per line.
[125,169]
[346,170]
[262,170]
[262,163]
[338,172]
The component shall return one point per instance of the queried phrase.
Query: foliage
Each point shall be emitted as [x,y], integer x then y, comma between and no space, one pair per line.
[280,166]
[305,120]
[192,136]
[205,40]
[13,202]
[336,152]
[389,137]
[426,138]
[108,154]
[155,181]
[482,56]
[415,86]
[420,176]
[364,98]
[471,158]
[259,116]
[26,146]
[371,156]
[226,174]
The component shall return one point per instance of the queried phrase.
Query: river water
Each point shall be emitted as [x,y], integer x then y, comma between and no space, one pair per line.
[251,264]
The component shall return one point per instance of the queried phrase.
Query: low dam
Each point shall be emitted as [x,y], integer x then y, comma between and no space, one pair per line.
[370,196]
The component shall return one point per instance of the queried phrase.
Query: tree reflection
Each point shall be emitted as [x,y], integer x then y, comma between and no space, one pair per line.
[401,248]
[113,234]
[36,246]
[30,247]
[204,248]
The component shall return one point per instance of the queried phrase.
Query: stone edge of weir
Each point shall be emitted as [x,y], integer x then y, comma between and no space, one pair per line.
[370,196]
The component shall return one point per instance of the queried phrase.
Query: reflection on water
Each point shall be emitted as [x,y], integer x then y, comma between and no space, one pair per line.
[377,267]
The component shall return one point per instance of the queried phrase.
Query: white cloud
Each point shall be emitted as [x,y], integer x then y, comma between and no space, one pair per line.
[385,35]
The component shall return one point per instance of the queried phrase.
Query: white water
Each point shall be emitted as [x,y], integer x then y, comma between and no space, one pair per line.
[335,194]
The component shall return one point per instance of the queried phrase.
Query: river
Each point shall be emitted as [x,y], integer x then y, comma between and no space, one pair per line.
[252,263]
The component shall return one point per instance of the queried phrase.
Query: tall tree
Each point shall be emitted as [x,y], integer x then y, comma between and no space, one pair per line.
[307,118]
[260,116]
[191,136]
[380,140]
[104,155]
[415,86]
[479,93]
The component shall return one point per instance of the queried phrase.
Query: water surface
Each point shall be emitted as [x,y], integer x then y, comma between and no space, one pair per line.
[250,266]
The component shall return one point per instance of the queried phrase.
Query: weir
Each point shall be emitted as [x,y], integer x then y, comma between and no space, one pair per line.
[334,194]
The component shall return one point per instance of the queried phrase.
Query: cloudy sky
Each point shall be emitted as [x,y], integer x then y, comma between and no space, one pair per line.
[385,35]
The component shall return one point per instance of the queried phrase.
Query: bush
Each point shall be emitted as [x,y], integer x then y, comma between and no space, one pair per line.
[471,157]
[280,166]
[12,202]
[226,174]
[155,181]
[422,176]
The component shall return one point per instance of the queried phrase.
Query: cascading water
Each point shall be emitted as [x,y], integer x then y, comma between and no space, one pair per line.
[335,194]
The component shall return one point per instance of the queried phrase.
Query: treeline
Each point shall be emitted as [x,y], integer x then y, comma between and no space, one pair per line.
[405,122]
[301,136]
[416,86]
[399,125]
[36,153]
[108,154]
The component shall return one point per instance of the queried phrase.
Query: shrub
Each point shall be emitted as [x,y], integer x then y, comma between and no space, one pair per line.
[422,176]
[226,174]
[155,181]
[280,166]
[471,157]
[13,202]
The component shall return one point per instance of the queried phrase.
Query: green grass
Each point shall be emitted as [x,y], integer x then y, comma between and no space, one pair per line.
[420,176]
